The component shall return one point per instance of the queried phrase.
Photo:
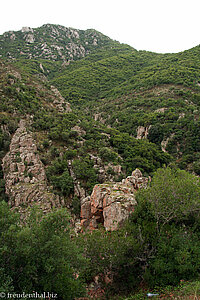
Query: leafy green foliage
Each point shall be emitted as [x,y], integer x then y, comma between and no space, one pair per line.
[131,89]
[173,195]
[76,206]
[139,153]
[156,134]
[177,258]
[58,176]
[41,255]
[85,172]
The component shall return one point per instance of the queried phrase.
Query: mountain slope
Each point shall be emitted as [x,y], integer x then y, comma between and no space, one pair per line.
[76,151]
[97,114]
[156,95]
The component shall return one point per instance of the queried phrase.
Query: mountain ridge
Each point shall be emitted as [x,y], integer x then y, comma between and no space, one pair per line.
[28,28]
[50,41]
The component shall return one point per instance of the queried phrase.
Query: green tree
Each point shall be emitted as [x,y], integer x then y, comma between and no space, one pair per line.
[173,194]
[40,255]
[58,175]
[156,134]
[84,171]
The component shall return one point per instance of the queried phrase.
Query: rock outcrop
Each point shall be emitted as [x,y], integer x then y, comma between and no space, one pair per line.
[53,42]
[61,105]
[165,142]
[111,203]
[103,170]
[24,174]
[142,132]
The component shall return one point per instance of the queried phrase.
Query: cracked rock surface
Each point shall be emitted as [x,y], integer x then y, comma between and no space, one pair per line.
[110,204]
[24,174]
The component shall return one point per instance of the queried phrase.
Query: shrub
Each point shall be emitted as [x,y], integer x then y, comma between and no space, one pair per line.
[174,194]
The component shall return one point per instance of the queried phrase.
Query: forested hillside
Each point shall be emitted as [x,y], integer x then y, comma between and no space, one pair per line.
[79,109]
[142,94]
[155,95]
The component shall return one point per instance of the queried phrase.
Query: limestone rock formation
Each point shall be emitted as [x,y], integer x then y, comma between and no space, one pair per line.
[30,38]
[60,103]
[111,203]
[27,29]
[142,132]
[24,174]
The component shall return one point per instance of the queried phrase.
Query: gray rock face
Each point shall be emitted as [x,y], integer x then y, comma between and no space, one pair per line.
[142,132]
[26,29]
[24,174]
[60,103]
[30,38]
[110,204]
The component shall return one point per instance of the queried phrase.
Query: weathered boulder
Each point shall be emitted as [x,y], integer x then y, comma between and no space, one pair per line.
[111,203]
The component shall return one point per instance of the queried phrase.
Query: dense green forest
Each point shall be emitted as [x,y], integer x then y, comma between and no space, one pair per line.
[128,108]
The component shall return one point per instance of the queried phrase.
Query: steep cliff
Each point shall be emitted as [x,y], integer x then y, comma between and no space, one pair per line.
[24,174]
